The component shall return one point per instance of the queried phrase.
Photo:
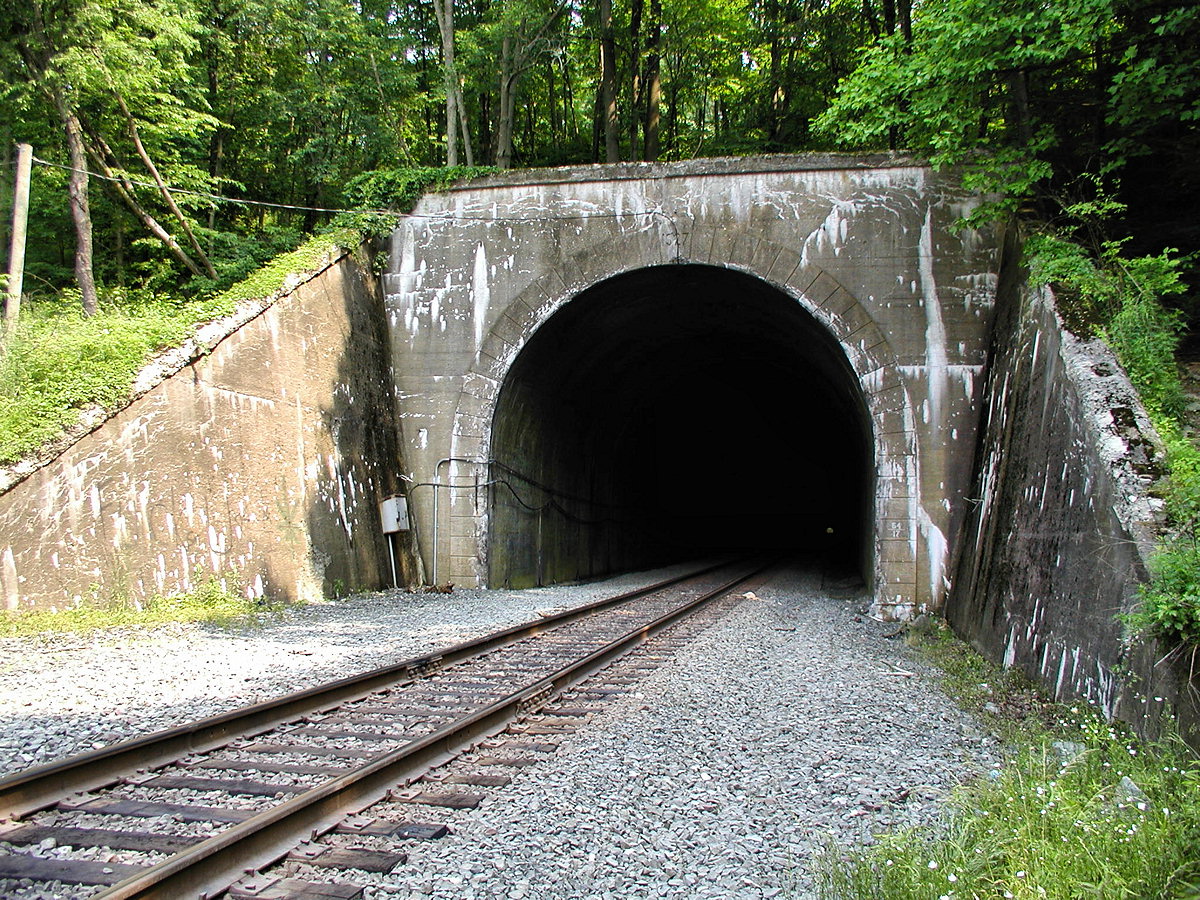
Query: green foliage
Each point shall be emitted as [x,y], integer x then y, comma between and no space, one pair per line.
[949,92]
[380,194]
[1080,810]
[271,277]
[1154,99]
[215,601]
[236,256]
[1144,335]
[1046,827]
[1004,699]
[1170,603]
[1120,298]
[58,362]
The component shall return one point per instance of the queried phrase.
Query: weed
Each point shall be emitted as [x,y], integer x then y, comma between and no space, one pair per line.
[1006,700]
[1082,809]
[214,601]
[58,362]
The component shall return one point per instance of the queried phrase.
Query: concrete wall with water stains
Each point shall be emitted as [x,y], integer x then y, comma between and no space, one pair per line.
[864,244]
[1062,520]
[261,461]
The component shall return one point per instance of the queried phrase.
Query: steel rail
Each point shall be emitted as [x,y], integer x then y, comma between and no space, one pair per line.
[209,868]
[43,786]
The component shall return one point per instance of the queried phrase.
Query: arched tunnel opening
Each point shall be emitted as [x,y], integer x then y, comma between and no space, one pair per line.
[678,412]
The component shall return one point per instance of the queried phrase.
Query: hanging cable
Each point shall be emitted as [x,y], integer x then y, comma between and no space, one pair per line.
[451,216]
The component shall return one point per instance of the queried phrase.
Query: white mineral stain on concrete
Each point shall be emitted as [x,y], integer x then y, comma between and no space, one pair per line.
[481,296]
[8,574]
[935,329]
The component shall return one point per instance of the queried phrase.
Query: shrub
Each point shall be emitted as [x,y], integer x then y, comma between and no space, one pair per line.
[1082,809]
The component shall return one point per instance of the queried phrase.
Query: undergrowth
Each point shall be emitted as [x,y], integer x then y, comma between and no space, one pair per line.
[1081,809]
[214,602]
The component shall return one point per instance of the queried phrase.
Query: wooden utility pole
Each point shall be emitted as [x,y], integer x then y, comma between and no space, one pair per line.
[16,253]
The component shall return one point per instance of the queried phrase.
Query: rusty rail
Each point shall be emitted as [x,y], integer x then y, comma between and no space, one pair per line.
[210,867]
[42,786]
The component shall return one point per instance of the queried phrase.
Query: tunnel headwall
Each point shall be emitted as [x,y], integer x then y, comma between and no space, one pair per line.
[865,246]
[1062,520]
[260,461]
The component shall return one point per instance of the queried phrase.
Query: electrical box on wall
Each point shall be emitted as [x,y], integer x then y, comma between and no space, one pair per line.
[393,513]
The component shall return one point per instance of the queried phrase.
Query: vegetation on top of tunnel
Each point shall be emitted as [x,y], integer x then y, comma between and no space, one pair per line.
[1079,807]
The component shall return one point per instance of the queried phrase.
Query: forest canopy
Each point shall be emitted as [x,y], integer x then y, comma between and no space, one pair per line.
[159,127]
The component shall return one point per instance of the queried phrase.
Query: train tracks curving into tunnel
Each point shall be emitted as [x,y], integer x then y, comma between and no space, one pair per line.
[192,809]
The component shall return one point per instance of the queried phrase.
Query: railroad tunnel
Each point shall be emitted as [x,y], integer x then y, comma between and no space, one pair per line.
[678,412]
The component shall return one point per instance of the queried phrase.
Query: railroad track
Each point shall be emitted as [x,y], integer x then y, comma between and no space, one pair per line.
[193,808]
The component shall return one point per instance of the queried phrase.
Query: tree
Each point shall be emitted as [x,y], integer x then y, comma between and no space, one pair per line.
[524,32]
[976,76]
[653,83]
[456,121]
[115,72]
[608,84]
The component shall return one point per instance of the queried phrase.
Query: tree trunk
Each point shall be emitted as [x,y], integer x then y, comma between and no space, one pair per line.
[774,73]
[571,121]
[216,143]
[1018,97]
[635,73]
[444,11]
[81,214]
[7,162]
[487,139]
[552,103]
[608,84]
[871,18]
[462,123]
[205,263]
[124,189]
[504,123]
[653,82]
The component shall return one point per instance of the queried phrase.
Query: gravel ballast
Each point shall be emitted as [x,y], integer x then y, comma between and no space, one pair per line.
[793,722]
[66,694]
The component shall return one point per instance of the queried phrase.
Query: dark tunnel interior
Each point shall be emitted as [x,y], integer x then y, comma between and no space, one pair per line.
[677,412]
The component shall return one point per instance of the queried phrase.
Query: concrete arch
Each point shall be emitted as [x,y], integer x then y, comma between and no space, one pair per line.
[867,350]
[864,247]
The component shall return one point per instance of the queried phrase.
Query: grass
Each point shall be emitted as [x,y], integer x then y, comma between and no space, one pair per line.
[213,602]
[1080,810]
[58,362]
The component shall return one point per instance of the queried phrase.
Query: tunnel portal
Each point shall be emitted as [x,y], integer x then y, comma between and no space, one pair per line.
[673,412]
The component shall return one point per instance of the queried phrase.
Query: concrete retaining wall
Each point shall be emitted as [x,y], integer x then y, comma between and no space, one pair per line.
[263,460]
[1062,520]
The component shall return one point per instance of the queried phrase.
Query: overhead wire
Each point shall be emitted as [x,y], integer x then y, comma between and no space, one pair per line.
[217,198]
